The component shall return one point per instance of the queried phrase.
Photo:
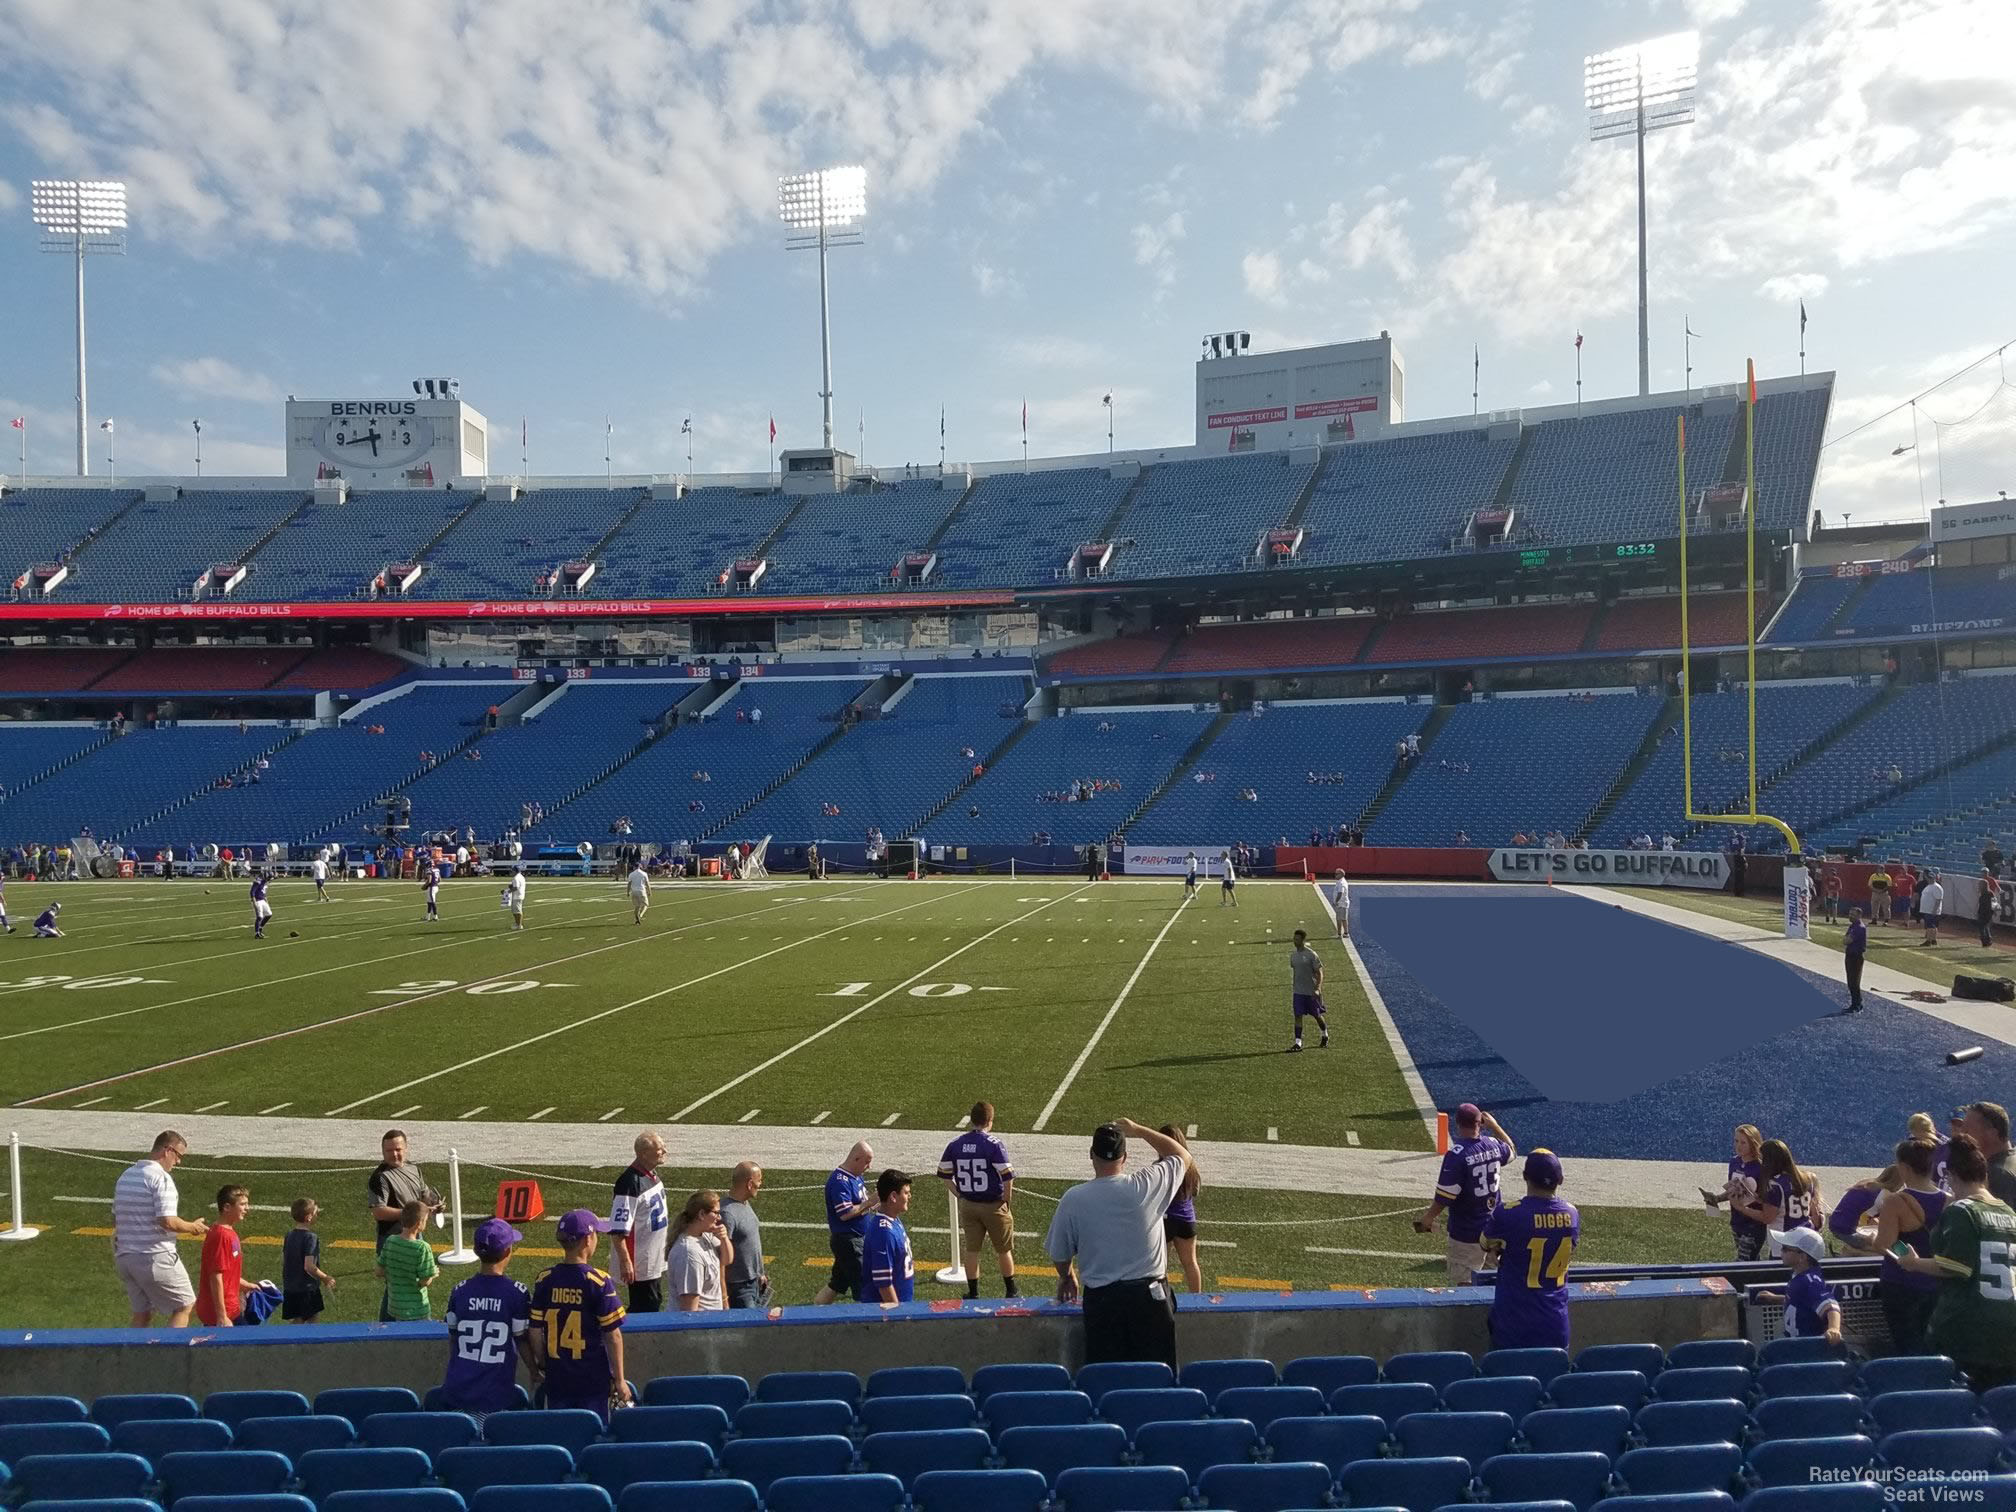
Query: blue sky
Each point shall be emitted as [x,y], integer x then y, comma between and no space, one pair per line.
[573,210]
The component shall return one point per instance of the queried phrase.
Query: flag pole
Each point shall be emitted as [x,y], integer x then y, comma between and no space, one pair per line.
[524,446]
[1476,367]
[1802,338]
[609,449]
[1578,375]
[941,440]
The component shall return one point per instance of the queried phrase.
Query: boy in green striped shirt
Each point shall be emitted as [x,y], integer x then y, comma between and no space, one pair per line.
[406,1265]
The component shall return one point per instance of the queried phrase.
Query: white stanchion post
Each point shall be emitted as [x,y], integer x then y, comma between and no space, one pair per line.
[19,1230]
[457,1253]
[955,1273]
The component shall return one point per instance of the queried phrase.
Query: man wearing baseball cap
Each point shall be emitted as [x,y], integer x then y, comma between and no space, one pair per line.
[1534,1240]
[1112,1227]
[1811,1310]
[1468,1188]
[489,1317]
[577,1323]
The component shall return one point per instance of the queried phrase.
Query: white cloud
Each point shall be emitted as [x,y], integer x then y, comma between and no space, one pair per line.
[1054,351]
[9,195]
[215,378]
[990,280]
[1155,249]
[1262,272]
[1787,287]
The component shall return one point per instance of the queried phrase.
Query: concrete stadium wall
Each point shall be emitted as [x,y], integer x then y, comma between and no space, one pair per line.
[89,1363]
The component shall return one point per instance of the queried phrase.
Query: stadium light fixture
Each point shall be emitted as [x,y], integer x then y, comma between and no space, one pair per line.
[1630,91]
[822,209]
[80,216]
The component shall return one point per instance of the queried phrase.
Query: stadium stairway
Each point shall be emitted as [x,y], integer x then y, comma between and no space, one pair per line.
[931,541]
[1430,728]
[1596,623]
[697,699]
[987,764]
[49,737]
[142,825]
[1184,763]
[594,553]
[884,690]
[1647,749]
[1309,486]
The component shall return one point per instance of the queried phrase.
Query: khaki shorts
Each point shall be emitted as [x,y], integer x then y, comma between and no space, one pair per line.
[1463,1259]
[992,1222]
[155,1283]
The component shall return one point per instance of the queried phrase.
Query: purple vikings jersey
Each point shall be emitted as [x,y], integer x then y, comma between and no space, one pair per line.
[844,1190]
[1531,1308]
[1794,1203]
[1847,1214]
[1468,1185]
[575,1305]
[259,891]
[1745,1174]
[1806,1296]
[976,1164]
[1920,1240]
[486,1316]
[885,1259]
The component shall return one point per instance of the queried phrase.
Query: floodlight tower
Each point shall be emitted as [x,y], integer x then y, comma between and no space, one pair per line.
[79,216]
[1631,91]
[823,209]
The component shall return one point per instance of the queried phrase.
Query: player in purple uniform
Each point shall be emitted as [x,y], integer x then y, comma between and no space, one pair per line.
[577,1323]
[489,1319]
[1905,1221]
[261,909]
[976,1168]
[1811,1310]
[886,1266]
[1787,1196]
[1740,1186]
[1534,1240]
[1468,1188]
[3,905]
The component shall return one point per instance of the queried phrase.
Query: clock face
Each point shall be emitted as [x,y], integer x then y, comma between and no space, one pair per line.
[375,441]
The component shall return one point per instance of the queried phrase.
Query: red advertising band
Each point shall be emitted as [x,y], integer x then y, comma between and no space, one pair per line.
[1363,405]
[562,609]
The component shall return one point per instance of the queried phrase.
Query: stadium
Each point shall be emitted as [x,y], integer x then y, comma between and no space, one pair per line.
[773,813]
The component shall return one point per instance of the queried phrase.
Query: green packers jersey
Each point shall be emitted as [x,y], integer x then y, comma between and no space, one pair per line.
[1974,1318]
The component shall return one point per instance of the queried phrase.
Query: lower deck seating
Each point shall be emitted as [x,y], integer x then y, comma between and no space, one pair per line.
[59,670]
[221,669]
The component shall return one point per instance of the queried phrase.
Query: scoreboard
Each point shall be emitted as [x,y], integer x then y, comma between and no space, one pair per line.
[1545,557]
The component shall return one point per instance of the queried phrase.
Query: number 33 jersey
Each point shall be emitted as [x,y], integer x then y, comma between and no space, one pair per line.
[486,1317]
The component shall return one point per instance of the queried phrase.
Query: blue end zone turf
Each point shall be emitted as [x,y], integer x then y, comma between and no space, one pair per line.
[1596,1030]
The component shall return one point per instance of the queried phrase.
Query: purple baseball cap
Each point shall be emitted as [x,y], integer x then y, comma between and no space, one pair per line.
[494,1236]
[1543,1168]
[580,1223]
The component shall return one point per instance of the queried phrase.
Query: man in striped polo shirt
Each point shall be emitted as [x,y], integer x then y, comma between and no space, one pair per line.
[144,1229]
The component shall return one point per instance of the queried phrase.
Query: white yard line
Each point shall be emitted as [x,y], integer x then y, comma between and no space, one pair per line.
[479,1108]
[213,1107]
[1370,1254]
[1043,1118]
[1410,1074]
[530,1117]
[890,1120]
[609,1115]
[822,1116]
[749,1116]
[274,1109]
[143,1107]
[914,977]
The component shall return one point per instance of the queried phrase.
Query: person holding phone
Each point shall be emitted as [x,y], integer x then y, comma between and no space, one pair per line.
[1905,1221]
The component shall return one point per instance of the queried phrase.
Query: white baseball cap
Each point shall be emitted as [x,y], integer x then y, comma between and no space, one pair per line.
[1807,1241]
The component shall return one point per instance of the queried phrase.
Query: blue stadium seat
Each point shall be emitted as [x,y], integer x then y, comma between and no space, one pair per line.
[1809,1417]
[700,1422]
[991,1380]
[793,1419]
[1328,1372]
[1723,1422]
[897,1414]
[1801,1461]
[359,1402]
[323,1473]
[1703,1383]
[150,1438]
[400,1499]
[1806,1378]
[1694,1353]
[1438,1367]
[916,1380]
[1260,1405]
[691,1496]
[433,1433]
[1942,1449]
[234,1407]
[1600,1388]
[19,1440]
[41,1409]
[264,1501]
[1130,1408]
[810,1386]
[1575,1430]
[570,1498]
[1512,1394]
[471,1467]
[1997,1493]
[1053,1450]
[1123,1488]
[1833,1496]
[1578,1478]
[436,1400]
[572,1428]
[1122,1375]
[110,1411]
[1391,1400]
[1214,1376]
[834,1493]
[1671,1501]
[761,1461]
[1265,1488]
[979,1491]
[1529,1506]
[615,1466]
[1896,1411]
[1647,1359]
[2000,1405]
[293,1436]
[98,1504]
[1678,1468]
[1908,1373]
[1419,1485]
[1543,1364]
[1194,1447]
[1336,1441]
[728,1392]
[1025,1409]
[1472,1436]
[908,1455]
[1798,1351]
[79,1477]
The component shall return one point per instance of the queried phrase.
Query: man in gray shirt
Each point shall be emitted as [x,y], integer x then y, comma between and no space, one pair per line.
[1112,1227]
[1987,1124]
[393,1184]
[747,1282]
[1307,969]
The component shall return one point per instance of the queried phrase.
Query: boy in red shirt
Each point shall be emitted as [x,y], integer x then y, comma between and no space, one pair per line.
[221,1286]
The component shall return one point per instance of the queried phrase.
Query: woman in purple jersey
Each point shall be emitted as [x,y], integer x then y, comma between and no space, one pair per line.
[1179,1224]
[1844,1224]
[1787,1196]
[1740,1186]
[1905,1220]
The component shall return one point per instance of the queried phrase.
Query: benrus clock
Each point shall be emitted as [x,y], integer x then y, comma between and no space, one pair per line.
[371,442]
